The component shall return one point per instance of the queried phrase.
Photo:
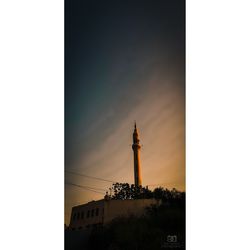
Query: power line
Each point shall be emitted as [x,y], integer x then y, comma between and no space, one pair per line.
[88,176]
[89,187]
[85,187]
[101,179]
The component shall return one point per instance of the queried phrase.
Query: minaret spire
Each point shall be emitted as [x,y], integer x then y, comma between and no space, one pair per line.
[137,166]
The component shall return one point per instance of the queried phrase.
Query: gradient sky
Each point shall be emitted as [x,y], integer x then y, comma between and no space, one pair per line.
[124,61]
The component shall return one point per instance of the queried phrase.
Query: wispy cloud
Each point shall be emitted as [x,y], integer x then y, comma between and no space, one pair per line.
[160,118]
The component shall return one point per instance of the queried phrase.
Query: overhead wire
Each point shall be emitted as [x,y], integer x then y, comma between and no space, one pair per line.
[88,176]
[110,181]
[86,187]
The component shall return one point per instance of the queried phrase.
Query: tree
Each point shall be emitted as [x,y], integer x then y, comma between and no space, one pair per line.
[125,191]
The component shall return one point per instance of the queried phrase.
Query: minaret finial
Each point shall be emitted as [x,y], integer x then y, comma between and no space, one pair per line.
[135,124]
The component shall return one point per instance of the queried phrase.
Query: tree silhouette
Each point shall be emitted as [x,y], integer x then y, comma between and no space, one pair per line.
[125,191]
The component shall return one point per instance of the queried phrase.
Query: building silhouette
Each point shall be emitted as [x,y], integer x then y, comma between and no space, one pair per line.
[101,212]
[137,164]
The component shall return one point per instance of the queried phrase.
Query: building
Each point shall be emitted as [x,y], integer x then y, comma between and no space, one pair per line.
[137,164]
[101,212]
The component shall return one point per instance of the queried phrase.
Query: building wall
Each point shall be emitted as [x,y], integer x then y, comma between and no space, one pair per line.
[87,214]
[103,211]
[117,208]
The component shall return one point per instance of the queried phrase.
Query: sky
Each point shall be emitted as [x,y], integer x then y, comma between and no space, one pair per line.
[124,61]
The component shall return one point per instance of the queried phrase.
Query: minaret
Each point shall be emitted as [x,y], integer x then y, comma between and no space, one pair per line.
[137,166]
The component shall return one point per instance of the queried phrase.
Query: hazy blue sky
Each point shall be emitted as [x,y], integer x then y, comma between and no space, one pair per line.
[124,61]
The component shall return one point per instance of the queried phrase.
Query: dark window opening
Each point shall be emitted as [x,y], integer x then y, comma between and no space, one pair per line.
[97,212]
[78,215]
[82,215]
[74,216]
[92,212]
[88,214]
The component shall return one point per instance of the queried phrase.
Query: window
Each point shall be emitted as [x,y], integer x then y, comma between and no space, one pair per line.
[92,212]
[97,211]
[78,216]
[88,214]
[74,216]
[82,215]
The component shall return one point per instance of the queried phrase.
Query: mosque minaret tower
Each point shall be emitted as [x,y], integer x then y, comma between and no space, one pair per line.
[137,165]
